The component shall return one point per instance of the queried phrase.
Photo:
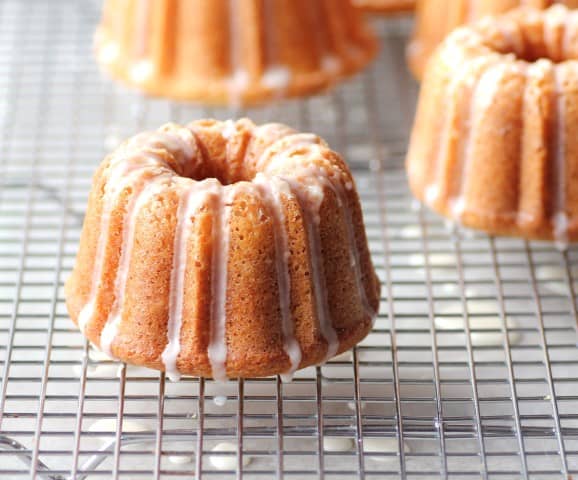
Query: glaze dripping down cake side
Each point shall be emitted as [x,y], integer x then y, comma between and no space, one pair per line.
[232,51]
[494,141]
[223,249]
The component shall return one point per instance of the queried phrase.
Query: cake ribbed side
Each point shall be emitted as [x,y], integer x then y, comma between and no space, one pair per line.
[570,84]
[147,232]
[489,187]
[538,119]
[195,334]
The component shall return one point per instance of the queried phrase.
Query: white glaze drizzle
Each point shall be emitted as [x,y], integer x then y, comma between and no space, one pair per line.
[270,133]
[570,34]
[560,218]
[432,192]
[126,168]
[141,71]
[183,151]
[143,67]
[233,38]
[472,10]
[87,311]
[535,74]
[143,31]
[137,201]
[276,77]
[330,62]
[309,191]
[269,33]
[355,253]
[108,51]
[289,142]
[567,35]
[463,77]
[217,349]
[273,188]
[127,174]
[239,78]
[335,185]
[189,203]
[554,19]
[310,194]
[229,130]
[179,142]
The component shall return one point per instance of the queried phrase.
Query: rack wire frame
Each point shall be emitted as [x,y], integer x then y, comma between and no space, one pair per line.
[470,372]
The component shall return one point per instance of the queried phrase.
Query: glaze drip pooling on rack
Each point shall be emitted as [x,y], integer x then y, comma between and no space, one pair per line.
[224,249]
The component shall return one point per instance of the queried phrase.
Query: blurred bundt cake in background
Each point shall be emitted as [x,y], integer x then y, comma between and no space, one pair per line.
[232,52]
[495,140]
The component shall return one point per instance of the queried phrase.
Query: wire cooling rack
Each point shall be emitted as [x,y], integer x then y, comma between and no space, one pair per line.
[471,370]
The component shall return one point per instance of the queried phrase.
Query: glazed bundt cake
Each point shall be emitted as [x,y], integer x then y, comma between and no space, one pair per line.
[236,52]
[495,140]
[437,18]
[223,249]
[385,6]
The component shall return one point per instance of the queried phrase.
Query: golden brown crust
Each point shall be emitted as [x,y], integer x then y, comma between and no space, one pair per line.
[255,341]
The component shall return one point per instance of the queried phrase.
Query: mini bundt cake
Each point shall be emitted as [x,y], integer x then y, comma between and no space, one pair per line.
[223,249]
[385,6]
[437,18]
[495,139]
[232,52]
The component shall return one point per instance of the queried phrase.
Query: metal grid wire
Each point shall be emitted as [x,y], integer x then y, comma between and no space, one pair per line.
[470,372]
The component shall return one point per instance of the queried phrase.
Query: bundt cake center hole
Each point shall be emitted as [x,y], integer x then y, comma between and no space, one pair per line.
[532,53]
[223,177]
[227,169]
[223,152]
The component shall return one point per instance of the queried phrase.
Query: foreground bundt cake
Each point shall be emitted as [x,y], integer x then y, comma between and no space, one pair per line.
[385,6]
[495,139]
[437,18]
[223,249]
[236,52]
